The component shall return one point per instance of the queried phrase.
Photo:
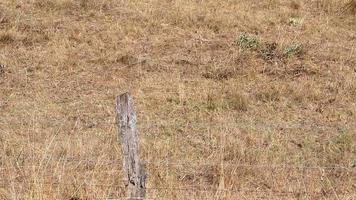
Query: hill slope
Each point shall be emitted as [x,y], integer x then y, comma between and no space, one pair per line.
[254,98]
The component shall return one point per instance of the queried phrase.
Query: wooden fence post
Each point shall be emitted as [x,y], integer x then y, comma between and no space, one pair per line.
[134,172]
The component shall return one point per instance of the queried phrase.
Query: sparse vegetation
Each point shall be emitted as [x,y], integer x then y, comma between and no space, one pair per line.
[236,95]
[270,95]
[235,101]
[293,49]
[295,21]
[247,40]
[269,51]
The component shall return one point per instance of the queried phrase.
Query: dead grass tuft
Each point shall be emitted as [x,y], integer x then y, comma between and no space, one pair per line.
[7,37]
[294,4]
[271,94]
[349,7]
[220,74]
[232,100]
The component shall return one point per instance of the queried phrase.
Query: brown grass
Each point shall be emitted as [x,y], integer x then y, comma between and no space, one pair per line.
[350,7]
[200,98]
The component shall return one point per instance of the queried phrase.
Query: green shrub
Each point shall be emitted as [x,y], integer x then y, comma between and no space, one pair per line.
[247,40]
[293,49]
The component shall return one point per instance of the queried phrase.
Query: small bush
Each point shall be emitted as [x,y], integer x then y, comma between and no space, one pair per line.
[247,40]
[293,49]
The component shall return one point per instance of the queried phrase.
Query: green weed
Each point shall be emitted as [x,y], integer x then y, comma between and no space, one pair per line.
[293,49]
[247,40]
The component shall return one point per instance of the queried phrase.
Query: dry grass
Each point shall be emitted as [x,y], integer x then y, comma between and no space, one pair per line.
[350,7]
[201,95]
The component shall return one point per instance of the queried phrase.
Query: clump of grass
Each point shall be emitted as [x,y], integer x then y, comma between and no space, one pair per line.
[343,142]
[295,5]
[269,95]
[67,5]
[219,74]
[2,69]
[294,21]
[350,7]
[173,100]
[84,3]
[268,51]
[247,40]
[213,103]
[237,102]
[325,5]
[353,162]
[338,146]
[4,17]
[7,38]
[45,4]
[293,49]
[234,101]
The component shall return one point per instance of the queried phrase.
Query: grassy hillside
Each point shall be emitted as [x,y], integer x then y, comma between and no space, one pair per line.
[240,99]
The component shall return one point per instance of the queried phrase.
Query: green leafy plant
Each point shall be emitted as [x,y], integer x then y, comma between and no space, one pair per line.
[293,49]
[247,40]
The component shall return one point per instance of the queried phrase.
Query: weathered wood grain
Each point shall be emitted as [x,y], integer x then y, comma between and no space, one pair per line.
[134,172]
